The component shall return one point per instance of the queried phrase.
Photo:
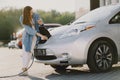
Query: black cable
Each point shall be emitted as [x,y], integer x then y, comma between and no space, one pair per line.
[20,72]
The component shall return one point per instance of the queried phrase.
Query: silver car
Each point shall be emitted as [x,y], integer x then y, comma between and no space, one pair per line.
[93,39]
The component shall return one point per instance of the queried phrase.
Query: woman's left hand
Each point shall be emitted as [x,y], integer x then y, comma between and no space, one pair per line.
[40,22]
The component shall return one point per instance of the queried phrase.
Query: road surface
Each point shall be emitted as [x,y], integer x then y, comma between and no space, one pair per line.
[10,64]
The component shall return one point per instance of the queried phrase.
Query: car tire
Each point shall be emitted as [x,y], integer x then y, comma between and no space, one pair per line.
[100,56]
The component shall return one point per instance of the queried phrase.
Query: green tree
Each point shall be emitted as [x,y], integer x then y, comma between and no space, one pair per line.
[9,20]
[56,17]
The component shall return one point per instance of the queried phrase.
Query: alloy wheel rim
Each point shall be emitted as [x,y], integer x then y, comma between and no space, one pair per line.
[103,57]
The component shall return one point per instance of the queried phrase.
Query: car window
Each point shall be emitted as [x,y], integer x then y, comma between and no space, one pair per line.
[96,15]
[115,19]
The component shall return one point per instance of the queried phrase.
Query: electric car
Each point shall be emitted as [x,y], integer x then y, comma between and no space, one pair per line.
[93,39]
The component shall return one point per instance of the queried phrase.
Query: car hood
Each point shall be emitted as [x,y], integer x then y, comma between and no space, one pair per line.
[67,28]
[58,34]
[59,30]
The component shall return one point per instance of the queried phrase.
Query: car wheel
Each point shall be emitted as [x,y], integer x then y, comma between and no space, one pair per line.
[100,56]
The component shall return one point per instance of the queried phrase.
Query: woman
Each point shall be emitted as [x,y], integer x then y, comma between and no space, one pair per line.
[29,37]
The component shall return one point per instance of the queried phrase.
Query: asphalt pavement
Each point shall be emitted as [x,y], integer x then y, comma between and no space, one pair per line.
[11,63]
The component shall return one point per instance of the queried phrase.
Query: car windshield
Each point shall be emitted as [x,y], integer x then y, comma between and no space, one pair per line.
[96,15]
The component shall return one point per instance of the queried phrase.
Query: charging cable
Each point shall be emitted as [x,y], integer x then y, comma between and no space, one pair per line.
[20,72]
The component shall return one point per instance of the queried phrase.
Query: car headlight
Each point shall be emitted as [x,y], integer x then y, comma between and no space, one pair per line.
[87,28]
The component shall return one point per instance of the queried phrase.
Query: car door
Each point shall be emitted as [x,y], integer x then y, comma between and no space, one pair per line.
[115,22]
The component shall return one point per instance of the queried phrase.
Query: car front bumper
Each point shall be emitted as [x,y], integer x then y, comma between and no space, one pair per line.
[47,56]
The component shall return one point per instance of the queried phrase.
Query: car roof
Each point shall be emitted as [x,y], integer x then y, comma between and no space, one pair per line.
[100,13]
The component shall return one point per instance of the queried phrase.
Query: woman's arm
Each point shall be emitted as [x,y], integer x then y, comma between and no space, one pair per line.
[30,30]
[42,36]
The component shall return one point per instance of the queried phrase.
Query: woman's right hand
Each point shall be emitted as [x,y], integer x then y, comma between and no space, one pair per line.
[44,37]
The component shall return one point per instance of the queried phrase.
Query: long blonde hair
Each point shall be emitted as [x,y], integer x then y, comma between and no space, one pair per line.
[27,17]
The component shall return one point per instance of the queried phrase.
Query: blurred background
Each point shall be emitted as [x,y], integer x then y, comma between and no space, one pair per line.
[51,11]
[54,11]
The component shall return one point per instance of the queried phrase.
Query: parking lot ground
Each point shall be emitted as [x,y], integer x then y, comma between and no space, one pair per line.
[10,64]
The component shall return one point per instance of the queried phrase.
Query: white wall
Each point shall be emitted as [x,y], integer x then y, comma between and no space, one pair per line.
[82,7]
